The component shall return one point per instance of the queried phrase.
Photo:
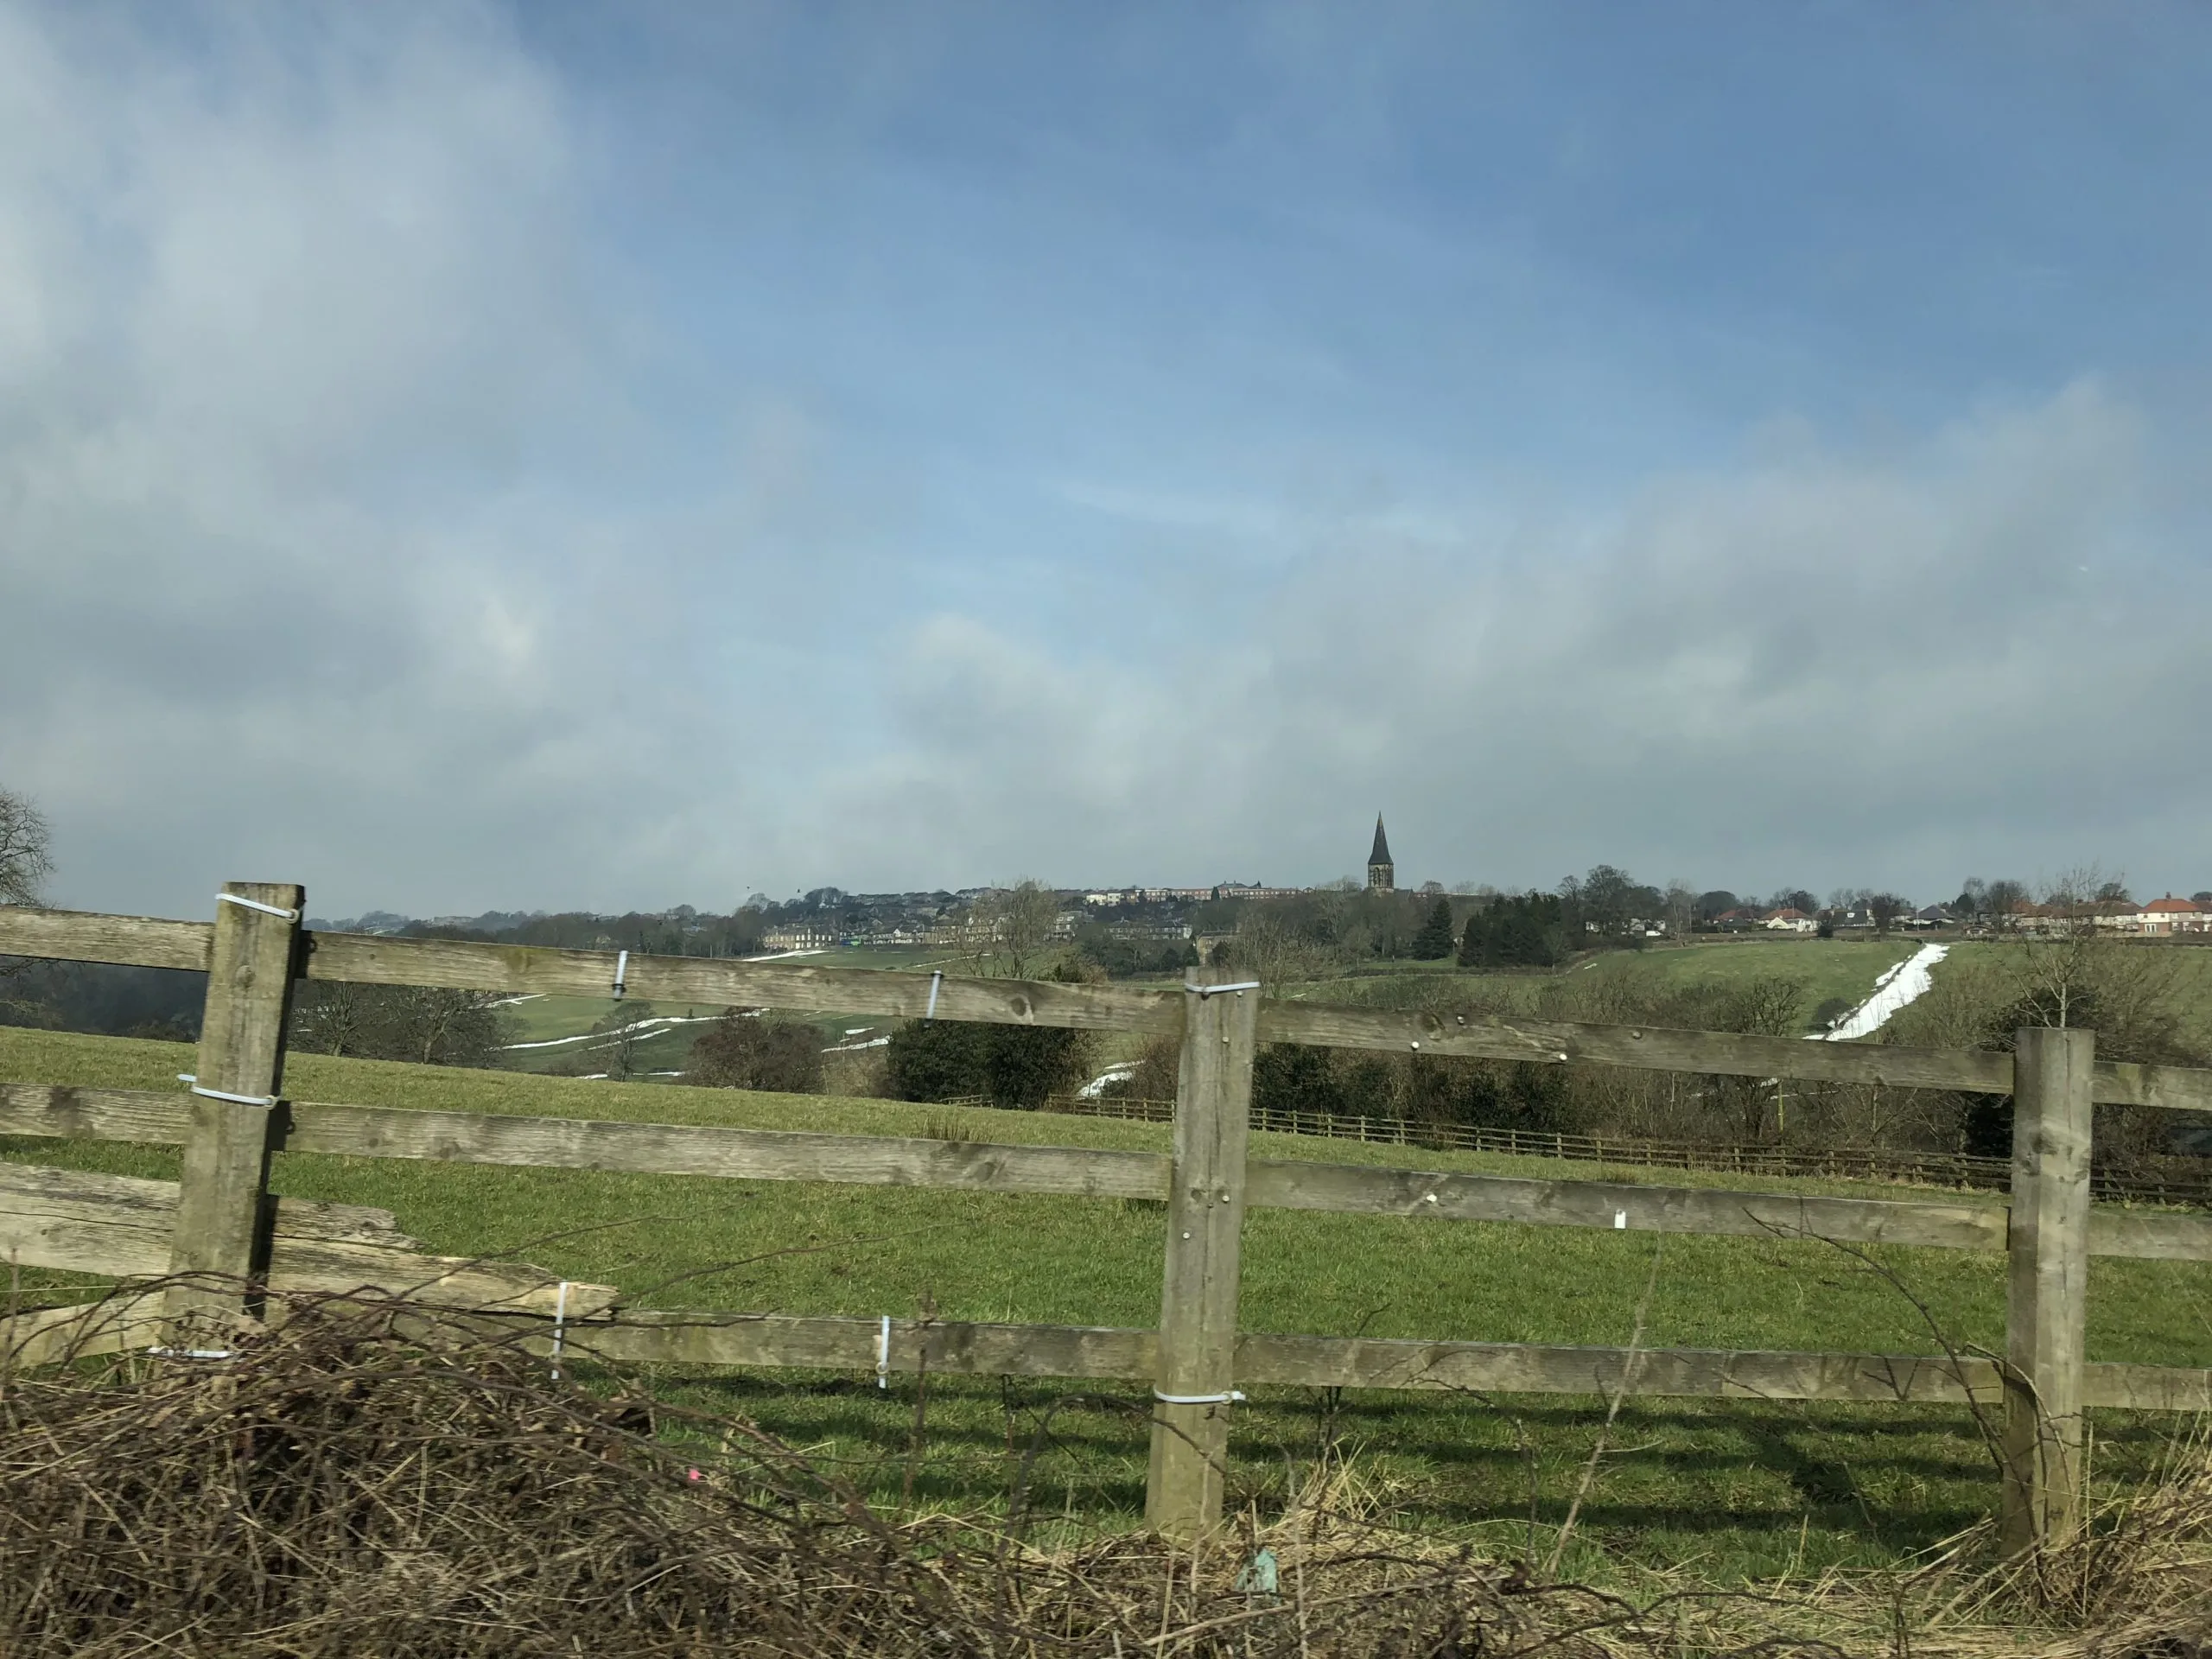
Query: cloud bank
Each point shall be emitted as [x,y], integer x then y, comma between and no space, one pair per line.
[367,517]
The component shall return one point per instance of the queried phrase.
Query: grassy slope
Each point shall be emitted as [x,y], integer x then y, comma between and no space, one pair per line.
[1738,1480]
[668,1048]
[1828,968]
[2190,966]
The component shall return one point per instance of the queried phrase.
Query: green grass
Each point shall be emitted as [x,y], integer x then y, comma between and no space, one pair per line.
[1743,1483]
[1830,969]
[565,1025]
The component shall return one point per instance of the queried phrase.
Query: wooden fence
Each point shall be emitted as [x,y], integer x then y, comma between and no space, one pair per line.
[2179,1178]
[218,1236]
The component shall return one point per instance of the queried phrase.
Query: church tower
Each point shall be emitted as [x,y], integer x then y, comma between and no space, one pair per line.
[1380,871]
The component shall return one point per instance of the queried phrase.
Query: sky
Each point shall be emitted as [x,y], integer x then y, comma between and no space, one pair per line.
[464,456]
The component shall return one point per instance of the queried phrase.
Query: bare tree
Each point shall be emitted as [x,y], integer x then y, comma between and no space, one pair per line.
[1010,930]
[26,850]
[336,1016]
[625,1028]
[423,1024]
[1680,907]
[1271,946]
[2002,901]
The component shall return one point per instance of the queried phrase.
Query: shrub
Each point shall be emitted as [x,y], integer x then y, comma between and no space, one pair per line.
[1017,1066]
[746,1049]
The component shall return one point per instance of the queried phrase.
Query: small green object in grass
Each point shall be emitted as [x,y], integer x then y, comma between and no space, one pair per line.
[1260,1577]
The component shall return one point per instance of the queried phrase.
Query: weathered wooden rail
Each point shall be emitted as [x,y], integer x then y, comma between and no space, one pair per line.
[220,1225]
[2177,1179]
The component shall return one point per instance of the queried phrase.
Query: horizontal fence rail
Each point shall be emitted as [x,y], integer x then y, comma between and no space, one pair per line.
[153,1118]
[122,1226]
[517,969]
[2175,1180]
[218,1242]
[832,1342]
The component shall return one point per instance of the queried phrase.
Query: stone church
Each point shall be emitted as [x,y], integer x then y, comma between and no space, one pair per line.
[1381,873]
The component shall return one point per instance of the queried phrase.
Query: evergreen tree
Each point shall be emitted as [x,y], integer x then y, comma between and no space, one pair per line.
[1434,942]
[1522,932]
[1478,944]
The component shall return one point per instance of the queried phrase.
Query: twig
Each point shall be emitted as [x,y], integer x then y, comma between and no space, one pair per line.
[1612,1409]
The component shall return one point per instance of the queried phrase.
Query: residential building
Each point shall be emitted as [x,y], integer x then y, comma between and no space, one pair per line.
[2166,917]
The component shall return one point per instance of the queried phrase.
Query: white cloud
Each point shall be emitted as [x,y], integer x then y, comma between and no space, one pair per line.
[342,539]
[1819,667]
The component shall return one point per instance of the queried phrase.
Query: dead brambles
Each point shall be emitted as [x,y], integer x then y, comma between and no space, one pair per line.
[365,1476]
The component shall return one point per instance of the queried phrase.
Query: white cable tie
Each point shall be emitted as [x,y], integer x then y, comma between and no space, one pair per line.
[278,911]
[217,1094]
[560,1326]
[937,984]
[1221,1399]
[621,973]
[190,1353]
[1205,991]
[883,1355]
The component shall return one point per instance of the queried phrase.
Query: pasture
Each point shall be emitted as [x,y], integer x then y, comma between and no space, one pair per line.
[1829,969]
[1738,1489]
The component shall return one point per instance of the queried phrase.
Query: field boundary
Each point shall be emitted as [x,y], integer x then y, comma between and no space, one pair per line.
[846,1345]
[1963,1170]
[226,1232]
[457,964]
[149,1117]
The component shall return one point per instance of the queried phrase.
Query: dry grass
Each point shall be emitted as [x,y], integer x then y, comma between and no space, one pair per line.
[367,1477]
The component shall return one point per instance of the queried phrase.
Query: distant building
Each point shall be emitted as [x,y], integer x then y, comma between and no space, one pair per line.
[1789,920]
[1381,873]
[2170,915]
[805,937]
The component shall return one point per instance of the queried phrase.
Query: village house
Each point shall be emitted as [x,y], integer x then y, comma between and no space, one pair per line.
[1789,920]
[2168,916]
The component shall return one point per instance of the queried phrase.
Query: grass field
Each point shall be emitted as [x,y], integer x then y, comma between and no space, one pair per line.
[1830,970]
[1748,1487]
[558,1032]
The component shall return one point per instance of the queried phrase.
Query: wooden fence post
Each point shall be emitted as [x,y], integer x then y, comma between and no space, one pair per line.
[222,1215]
[1206,1219]
[2046,1300]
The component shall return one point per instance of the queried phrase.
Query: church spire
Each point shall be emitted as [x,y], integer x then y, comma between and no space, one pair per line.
[1380,872]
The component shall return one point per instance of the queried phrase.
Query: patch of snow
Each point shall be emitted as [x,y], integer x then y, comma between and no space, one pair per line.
[1904,982]
[778,956]
[662,1021]
[1099,1084]
[509,1001]
[848,1048]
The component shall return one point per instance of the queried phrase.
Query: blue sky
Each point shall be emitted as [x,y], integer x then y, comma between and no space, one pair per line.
[473,456]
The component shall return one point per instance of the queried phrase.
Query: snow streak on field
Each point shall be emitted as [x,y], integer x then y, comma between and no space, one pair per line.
[657,1022]
[1907,982]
